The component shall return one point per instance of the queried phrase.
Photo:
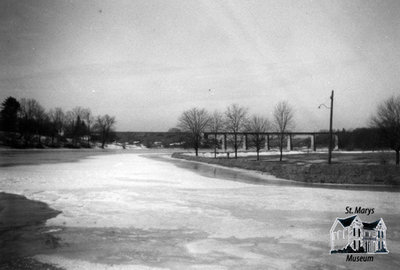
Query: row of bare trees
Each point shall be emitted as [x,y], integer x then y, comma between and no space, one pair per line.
[235,120]
[28,122]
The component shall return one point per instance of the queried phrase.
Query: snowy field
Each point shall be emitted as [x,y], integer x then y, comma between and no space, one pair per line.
[142,211]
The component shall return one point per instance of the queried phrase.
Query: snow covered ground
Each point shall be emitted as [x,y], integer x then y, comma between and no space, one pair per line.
[131,211]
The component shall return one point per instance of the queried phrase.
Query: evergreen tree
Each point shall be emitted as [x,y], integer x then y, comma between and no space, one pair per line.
[9,114]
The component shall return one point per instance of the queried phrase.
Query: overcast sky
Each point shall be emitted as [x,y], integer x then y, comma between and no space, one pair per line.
[147,61]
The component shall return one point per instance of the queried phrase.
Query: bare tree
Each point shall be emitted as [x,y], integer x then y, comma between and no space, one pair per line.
[57,119]
[387,119]
[235,118]
[194,121]
[32,119]
[79,123]
[215,126]
[69,123]
[89,120]
[283,120]
[256,125]
[75,126]
[104,125]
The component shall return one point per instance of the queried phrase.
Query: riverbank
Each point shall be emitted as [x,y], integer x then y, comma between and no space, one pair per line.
[309,172]
[22,232]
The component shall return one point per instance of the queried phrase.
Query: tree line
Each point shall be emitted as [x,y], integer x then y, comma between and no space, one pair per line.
[383,131]
[26,123]
[236,119]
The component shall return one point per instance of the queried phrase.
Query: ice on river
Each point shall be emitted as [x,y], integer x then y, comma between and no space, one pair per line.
[185,220]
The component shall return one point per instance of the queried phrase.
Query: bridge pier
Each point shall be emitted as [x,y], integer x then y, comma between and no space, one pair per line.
[224,146]
[313,146]
[244,146]
[221,142]
[289,143]
[336,142]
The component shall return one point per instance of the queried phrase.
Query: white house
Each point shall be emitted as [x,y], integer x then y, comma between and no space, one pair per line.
[359,236]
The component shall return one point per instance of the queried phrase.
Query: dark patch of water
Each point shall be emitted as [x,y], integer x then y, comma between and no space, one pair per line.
[22,231]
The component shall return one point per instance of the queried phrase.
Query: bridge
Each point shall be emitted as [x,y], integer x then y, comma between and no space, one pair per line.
[269,135]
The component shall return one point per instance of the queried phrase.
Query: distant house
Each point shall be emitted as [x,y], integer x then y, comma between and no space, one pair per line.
[352,235]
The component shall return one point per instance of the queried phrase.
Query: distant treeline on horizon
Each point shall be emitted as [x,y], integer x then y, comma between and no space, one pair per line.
[26,123]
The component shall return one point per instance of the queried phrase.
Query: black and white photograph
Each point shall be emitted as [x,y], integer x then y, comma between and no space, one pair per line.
[199,134]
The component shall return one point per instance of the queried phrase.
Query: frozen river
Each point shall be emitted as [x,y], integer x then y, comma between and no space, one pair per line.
[144,211]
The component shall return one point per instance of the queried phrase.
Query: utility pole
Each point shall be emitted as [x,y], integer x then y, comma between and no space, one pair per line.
[330,132]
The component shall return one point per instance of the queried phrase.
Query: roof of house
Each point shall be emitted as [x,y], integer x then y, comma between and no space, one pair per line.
[347,221]
[372,225]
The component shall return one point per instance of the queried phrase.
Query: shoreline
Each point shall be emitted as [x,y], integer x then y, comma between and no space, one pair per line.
[296,173]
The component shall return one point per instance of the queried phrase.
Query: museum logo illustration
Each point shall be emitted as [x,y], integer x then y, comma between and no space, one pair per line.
[351,235]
